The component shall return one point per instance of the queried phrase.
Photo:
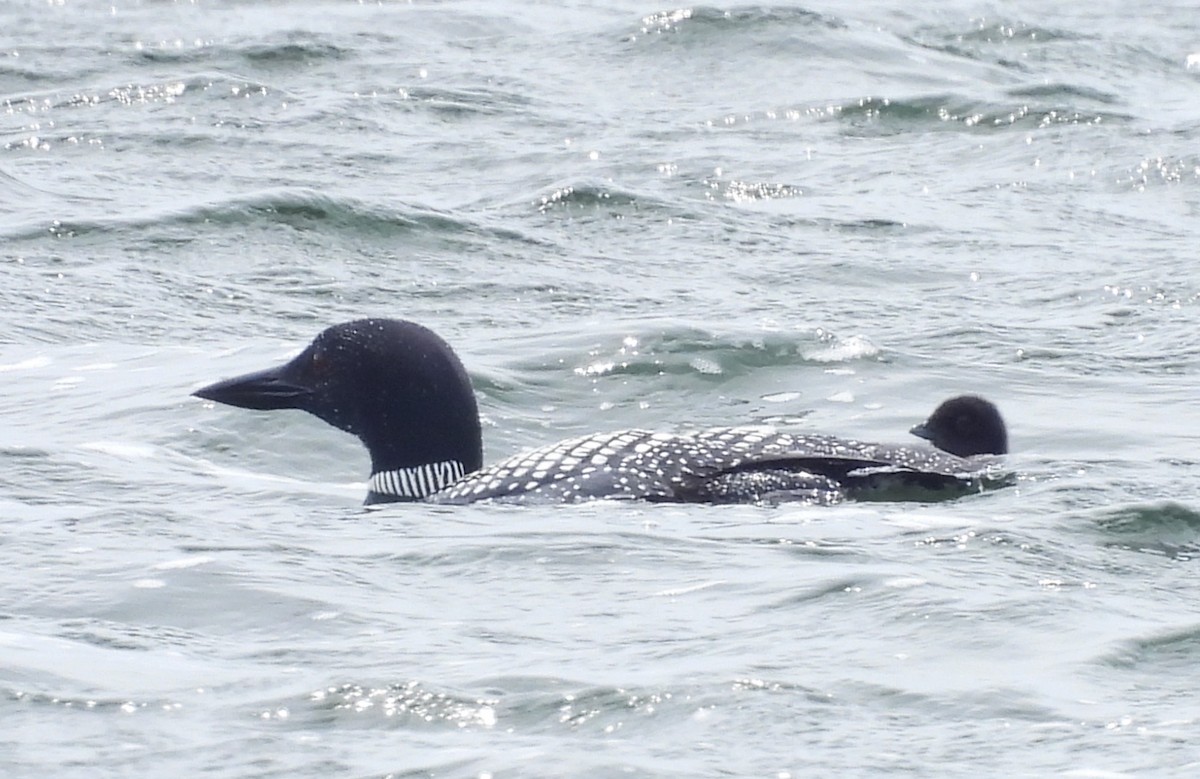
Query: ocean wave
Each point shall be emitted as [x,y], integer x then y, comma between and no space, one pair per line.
[409,704]
[1163,651]
[299,208]
[989,39]
[686,351]
[703,22]
[592,195]
[1165,527]
[1059,104]
[464,101]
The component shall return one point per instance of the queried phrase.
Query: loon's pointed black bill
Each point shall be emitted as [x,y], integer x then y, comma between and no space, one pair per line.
[261,391]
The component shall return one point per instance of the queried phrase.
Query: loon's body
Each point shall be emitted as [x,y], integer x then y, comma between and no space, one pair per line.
[402,390]
[715,465]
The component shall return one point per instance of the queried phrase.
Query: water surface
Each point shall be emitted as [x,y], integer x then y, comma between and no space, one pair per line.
[818,216]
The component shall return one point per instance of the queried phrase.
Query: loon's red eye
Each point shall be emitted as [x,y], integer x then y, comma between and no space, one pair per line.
[318,364]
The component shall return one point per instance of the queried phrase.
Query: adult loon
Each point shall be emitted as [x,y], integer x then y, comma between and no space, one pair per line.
[402,390]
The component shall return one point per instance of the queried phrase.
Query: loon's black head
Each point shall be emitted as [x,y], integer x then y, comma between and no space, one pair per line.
[394,384]
[965,426]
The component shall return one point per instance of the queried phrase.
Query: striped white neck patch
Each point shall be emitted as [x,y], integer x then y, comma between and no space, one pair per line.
[417,482]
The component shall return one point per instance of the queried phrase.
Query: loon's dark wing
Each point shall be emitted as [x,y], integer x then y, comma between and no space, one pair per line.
[828,479]
[724,465]
[786,463]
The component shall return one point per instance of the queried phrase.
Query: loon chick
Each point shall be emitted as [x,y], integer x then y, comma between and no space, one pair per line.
[402,390]
[965,426]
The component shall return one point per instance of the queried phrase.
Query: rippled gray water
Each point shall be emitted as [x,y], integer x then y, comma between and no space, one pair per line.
[824,216]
